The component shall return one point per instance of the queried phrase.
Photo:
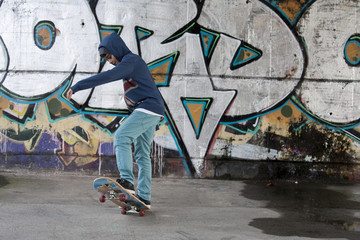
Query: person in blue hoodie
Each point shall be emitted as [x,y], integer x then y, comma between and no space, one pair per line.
[145,103]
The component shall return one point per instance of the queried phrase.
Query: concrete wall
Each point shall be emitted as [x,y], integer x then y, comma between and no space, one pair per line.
[253,88]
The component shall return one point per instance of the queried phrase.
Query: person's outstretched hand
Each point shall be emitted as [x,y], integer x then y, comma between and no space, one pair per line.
[69,94]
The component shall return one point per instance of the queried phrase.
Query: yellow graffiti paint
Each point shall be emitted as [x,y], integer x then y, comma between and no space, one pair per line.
[291,8]
[280,120]
[4,104]
[353,51]
[195,111]
[159,73]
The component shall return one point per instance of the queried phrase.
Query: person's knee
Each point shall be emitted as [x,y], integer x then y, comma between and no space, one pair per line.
[121,139]
[143,162]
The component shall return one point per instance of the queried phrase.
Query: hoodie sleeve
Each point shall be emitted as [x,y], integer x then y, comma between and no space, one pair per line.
[120,71]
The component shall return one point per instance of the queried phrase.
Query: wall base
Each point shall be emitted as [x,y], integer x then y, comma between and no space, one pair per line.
[212,169]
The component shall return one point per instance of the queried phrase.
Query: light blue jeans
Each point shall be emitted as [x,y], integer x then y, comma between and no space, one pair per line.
[139,128]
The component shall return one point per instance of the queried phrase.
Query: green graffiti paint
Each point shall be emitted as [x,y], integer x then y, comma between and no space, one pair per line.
[64,112]
[81,132]
[287,111]
[22,135]
[54,106]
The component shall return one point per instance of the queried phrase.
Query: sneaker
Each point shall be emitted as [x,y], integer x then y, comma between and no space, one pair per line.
[127,185]
[147,202]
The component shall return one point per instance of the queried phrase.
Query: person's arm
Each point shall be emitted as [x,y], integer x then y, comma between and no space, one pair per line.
[121,71]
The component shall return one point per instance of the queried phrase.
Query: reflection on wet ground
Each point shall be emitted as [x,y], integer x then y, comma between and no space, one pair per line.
[305,208]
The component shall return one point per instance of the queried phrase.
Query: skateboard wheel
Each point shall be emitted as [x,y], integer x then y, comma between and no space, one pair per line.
[142,213]
[122,198]
[102,198]
[123,211]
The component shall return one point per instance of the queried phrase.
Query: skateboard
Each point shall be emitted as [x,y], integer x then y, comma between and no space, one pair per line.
[114,192]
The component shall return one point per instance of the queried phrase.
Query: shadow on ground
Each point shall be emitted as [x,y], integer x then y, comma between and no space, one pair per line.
[307,210]
[3,181]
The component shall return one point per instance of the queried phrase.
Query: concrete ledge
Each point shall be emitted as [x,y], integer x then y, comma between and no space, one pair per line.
[212,169]
[105,165]
[271,170]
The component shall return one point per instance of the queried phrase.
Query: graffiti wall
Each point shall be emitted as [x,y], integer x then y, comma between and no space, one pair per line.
[245,83]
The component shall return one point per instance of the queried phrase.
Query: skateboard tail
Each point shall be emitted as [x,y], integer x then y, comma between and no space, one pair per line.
[98,182]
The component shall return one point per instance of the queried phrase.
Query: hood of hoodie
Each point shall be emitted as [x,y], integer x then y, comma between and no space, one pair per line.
[115,45]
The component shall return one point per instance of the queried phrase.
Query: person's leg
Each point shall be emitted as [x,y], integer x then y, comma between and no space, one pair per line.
[124,137]
[142,147]
[142,156]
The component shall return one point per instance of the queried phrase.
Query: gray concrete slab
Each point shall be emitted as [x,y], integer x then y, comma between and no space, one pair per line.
[65,206]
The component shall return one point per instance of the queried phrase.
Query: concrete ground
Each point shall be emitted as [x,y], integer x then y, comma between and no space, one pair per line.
[65,206]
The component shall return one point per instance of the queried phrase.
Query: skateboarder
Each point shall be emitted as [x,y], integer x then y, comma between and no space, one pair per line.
[145,103]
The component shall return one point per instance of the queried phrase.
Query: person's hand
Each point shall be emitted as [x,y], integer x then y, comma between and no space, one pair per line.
[69,94]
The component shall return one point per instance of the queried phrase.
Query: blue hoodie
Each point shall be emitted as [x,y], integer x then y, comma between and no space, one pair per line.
[140,90]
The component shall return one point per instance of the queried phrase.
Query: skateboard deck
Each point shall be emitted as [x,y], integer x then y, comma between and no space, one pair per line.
[113,191]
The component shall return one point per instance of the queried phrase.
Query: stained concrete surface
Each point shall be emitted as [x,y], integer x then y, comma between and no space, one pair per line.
[65,206]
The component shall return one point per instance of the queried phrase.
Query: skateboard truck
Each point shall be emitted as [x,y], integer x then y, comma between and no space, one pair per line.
[112,195]
[140,211]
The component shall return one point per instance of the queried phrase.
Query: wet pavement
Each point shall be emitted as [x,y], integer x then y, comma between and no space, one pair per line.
[65,206]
